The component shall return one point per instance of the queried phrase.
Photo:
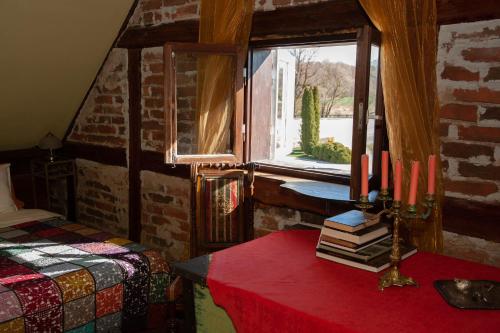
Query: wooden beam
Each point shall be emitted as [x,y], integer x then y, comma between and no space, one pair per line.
[320,18]
[155,162]
[470,218]
[181,31]
[134,171]
[457,11]
[100,154]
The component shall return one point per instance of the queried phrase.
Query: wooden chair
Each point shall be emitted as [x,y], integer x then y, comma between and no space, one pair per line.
[220,209]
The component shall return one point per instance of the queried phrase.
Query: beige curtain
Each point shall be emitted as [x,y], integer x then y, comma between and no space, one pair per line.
[408,67]
[221,22]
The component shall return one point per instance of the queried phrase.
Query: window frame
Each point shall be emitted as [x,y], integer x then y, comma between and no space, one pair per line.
[364,38]
[170,103]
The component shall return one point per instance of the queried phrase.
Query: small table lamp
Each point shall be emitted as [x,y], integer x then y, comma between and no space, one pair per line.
[51,142]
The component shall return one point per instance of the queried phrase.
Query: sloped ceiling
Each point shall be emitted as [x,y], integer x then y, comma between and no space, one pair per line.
[50,51]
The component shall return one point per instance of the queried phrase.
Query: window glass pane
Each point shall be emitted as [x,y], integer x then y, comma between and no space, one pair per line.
[204,114]
[372,101]
[312,136]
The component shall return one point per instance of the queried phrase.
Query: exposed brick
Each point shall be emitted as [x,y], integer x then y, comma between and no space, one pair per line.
[156,68]
[154,79]
[104,99]
[459,112]
[151,4]
[470,187]
[174,2]
[281,2]
[476,133]
[186,10]
[464,150]
[492,113]
[484,54]
[153,103]
[493,74]
[443,129]
[489,172]
[482,95]
[459,73]
[155,125]
[159,220]
[165,199]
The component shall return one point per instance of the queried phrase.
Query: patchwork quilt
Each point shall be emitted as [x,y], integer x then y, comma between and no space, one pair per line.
[59,276]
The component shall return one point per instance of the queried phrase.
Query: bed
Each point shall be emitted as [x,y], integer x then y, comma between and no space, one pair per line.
[60,276]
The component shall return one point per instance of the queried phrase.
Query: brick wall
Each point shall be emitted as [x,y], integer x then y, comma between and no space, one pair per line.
[469,90]
[103,120]
[102,196]
[166,221]
[153,122]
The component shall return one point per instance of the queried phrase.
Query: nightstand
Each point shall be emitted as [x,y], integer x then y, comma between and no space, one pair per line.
[54,185]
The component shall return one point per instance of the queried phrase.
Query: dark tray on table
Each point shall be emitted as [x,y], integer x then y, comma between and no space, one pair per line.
[478,295]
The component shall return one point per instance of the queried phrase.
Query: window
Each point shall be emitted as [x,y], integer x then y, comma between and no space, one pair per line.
[336,81]
[203,108]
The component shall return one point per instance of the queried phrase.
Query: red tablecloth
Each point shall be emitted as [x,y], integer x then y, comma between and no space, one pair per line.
[276,284]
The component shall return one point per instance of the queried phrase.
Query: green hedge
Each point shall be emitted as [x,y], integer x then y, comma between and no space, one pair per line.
[333,152]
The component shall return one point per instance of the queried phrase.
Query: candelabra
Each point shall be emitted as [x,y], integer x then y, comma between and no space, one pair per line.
[393,276]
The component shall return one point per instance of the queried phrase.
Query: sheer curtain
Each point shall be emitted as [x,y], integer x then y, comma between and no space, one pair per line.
[221,22]
[408,67]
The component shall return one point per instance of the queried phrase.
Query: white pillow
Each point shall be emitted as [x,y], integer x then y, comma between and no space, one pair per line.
[6,202]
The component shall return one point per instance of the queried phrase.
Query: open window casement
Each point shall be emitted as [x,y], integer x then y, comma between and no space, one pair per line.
[203,103]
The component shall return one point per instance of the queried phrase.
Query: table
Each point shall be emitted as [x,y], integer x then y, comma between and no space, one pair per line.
[48,172]
[303,293]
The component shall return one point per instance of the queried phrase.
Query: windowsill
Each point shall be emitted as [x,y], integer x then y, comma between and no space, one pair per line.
[319,197]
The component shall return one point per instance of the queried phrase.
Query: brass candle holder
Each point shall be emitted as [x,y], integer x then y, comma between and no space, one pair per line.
[393,276]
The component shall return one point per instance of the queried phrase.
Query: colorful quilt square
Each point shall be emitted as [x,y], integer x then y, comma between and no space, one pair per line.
[110,323]
[43,262]
[13,326]
[75,284]
[101,236]
[87,328]
[72,227]
[55,249]
[136,247]
[27,256]
[34,242]
[86,231]
[158,288]
[69,238]
[156,263]
[12,269]
[57,222]
[2,230]
[25,239]
[59,269]
[79,312]
[109,300]
[4,244]
[102,248]
[13,234]
[119,241]
[72,255]
[13,251]
[90,260]
[37,295]
[34,228]
[3,288]
[49,320]
[11,308]
[106,274]
[49,232]
[6,263]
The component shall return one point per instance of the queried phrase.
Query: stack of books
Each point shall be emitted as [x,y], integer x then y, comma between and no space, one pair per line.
[358,240]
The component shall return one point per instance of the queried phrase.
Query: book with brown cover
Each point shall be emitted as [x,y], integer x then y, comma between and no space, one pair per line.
[358,237]
[348,246]
[352,221]
[376,264]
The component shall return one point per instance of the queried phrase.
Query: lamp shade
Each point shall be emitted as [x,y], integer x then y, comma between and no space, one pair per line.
[50,141]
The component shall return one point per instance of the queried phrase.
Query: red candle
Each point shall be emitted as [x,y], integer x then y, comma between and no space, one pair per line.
[385,170]
[364,175]
[431,177]
[397,181]
[412,196]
